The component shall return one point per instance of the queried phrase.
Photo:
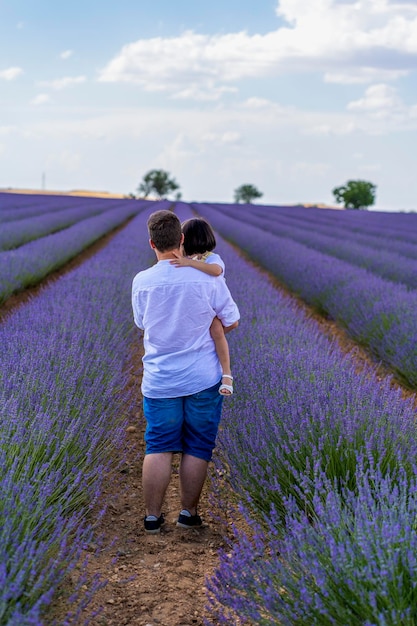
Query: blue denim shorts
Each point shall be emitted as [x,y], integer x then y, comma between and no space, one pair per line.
[187,424]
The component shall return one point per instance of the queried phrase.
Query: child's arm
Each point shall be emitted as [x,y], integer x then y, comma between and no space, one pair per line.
[213,269]
[208,268]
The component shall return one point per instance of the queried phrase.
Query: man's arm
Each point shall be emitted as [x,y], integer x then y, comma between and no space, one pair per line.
[225,307]
[137,312]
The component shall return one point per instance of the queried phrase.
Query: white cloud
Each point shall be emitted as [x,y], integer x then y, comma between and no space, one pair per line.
[258,103]
[371,168]
[11,73]
[189,66]
[7,130]
[378,98]
[230,137]
[66,54]
[63,83]
[381,110]
[362,41]
[208,92]
[67,160]
[41,98]
[308,169]
[363,75]
[233,129]
[225,138]
[209,151]
[182,148]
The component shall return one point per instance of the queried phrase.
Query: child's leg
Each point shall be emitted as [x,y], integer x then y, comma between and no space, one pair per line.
[222,349]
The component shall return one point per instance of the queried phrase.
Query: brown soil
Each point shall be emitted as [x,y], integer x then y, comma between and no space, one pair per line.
[154,580]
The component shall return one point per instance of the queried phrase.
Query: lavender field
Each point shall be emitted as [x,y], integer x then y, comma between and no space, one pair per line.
[322,464]
[318,459]
[378,312]
[62,382]
[36,238]
[321,461]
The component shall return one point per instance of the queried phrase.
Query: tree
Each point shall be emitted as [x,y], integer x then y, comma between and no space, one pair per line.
[158,182]
[356,194]
[247,193]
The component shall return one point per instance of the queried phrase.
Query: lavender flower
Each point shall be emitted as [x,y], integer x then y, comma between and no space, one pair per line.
[306,444]
[62,383]
[28,264]
[378,313]
[355,564]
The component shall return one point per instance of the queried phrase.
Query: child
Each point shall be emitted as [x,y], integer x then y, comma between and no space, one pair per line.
[199,241]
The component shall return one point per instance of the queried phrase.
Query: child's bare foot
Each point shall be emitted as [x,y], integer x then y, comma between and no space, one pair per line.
[225,388]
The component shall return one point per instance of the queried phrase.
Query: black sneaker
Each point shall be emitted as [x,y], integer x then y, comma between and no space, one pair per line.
[153,524]
[186,520]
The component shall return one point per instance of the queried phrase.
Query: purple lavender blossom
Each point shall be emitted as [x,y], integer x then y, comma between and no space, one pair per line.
[378,313]
[16,207]
[304,434]
[373,253]
[304,439]
[355,564]
[62,382]
[28,264]
[20,231]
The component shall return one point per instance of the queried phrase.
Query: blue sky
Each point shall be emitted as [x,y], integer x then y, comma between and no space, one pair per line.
[292,96]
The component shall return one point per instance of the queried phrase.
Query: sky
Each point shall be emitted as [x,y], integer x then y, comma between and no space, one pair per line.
[295,97]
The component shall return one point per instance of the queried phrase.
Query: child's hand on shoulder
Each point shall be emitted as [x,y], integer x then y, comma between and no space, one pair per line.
[180,261]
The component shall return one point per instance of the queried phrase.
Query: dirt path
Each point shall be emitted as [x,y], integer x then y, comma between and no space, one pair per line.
[153,580]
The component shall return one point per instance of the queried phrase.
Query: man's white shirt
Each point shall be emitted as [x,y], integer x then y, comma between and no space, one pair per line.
[175,307]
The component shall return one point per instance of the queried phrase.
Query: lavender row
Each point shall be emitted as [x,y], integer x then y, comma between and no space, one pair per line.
[379,314]
[400,238]
[19,232]
[354,563]
[15,207]
[381,261]
[321,460]
[391,240]
[30,263]
[401,226]
[63,372]
[18,201]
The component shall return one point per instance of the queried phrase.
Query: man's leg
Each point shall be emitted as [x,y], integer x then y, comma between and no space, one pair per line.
[156,474]
[202,413]
[193,472]
[164,418]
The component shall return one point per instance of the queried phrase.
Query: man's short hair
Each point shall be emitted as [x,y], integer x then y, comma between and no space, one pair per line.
[164,229]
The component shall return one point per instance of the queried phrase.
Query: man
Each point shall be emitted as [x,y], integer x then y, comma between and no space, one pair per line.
[182,373]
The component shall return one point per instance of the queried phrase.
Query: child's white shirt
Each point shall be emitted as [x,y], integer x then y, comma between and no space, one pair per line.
[212,258]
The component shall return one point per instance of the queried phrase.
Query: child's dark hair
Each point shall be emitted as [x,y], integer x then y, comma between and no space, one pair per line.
[198,236]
